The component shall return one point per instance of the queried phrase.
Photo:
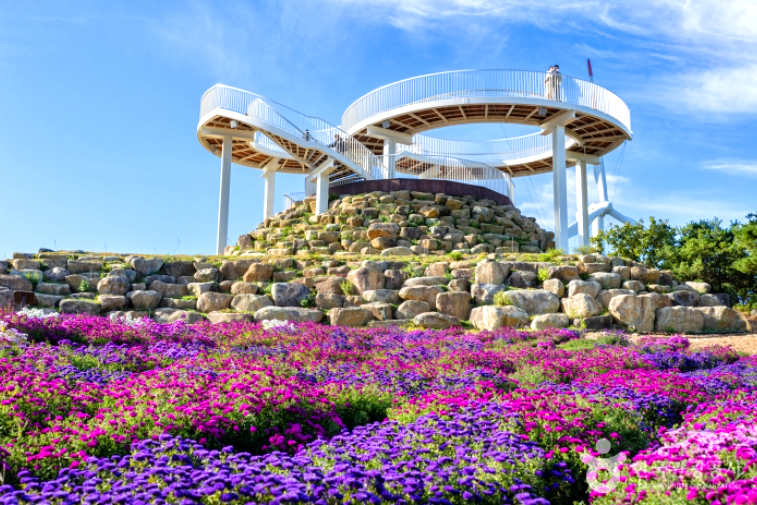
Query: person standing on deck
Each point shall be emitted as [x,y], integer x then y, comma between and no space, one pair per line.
[553,83]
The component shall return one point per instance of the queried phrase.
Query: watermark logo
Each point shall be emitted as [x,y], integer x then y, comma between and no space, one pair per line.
[597,465]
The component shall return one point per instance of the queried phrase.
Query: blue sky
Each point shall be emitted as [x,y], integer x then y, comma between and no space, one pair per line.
[100,100]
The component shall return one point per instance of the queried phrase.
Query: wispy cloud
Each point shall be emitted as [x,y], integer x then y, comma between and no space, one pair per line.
[733,167]
[702,41]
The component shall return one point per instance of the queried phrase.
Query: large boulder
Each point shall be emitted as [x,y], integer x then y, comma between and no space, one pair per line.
[411,308]
[490,317]
[700,287]
[380,310]
[635,286]
[329,301]
[490,272]
[289,294]
[533,301]
[212,302]
[295,314]
[244,288]
[351,316]
[385,230]
[398,251]
[424,293]
[6,298]
[435,321]
[427,281]
[645,275]
[544,321]
[258,272]
[207,275]
[15,282]
[606,280]
[250,303]
[144,300]
[48,301]
[565,273]
[198,288]
[382,295]
[554,286]
[590,288]
[233,270]
[168,315]
[525,280]
[723,319]
[637,312]
[54,289]
[454,303]
[73,306]
[330,286]
[580,306]
[180,269]
[169,290]
[109,303]
[113,286]
[684,298]
[56,274]
[679,320]
[705,300]
[484,293]
[143,266]
[605,296]
[366,279]
[81,267]
[229,317]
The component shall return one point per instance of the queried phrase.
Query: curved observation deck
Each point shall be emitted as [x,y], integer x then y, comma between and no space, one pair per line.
[598,121]
[531,152]
[264,131]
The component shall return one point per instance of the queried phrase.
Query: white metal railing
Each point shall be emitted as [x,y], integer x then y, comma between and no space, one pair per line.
[485,83]
[292,198]
[448,168]
[317,130]
[490,152]
[308,128]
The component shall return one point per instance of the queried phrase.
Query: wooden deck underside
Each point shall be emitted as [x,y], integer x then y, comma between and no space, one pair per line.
[597,136]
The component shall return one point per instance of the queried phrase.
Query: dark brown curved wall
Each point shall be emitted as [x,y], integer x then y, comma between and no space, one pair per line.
[424,185]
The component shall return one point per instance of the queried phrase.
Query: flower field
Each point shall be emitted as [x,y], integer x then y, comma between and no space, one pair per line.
[101,411]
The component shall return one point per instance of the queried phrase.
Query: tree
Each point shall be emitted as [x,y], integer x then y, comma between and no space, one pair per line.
[705,250]
[648,245]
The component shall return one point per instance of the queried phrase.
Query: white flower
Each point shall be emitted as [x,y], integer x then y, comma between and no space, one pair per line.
[128,320]
[11,335]
[275,324]
[37,313]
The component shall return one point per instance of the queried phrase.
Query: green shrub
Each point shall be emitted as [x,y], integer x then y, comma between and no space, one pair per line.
[542,274]
[455,255]
[34,278]
[308,301]
[346,287]
[501,299]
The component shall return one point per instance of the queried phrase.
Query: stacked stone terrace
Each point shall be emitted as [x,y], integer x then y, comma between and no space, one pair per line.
[433,261]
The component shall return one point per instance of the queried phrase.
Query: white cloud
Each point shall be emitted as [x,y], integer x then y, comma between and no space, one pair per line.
[733,167]
[704,42]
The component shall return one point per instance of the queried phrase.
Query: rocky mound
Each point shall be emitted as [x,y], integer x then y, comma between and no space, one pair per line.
[377,259]
[400,223]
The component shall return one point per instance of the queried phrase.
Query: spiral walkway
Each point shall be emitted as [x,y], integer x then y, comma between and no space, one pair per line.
[381,135]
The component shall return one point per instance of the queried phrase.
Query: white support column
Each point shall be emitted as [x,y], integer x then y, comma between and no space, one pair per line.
[269,174]
[223,200]
[322,193]
[390,149]
[582,201]
[601,179]
[560,187]
[320,177]
[309,188]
